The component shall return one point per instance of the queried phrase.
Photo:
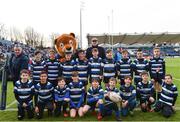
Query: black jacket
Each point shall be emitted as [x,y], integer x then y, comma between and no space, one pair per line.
[100,49]
[16,64]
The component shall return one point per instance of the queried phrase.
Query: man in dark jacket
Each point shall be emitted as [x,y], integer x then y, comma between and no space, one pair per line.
[101,50]
[18,61]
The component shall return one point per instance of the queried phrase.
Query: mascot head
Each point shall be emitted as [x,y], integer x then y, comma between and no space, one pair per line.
[65,43]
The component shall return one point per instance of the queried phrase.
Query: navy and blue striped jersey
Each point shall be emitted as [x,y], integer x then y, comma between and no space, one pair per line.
[109,69]
[154,64]
[82,69]
[76,93]
[36,68]
[52,69]
[124,67]
[24,92]
[44,92]
[108,89]
[138,66]
[94,95]
[95,67]
[61,93]
[169,94]
[128,92]
[67,68]
[144,91]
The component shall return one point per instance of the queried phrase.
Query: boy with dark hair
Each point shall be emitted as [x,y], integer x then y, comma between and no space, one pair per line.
[95,97]
[76,93]
[52,65]
[145,91]
[167,98]
[95,66]
[139,65]
[109,69]
[44,93]
[109,105]
[157,69]
[128,95]
[67,67]
[24,91]
[37,66]
[124,67]
[61,97]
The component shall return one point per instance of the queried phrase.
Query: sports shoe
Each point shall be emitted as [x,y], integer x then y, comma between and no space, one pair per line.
[65,114]
[20,117]
[131,113]
[99,116]
[118,119]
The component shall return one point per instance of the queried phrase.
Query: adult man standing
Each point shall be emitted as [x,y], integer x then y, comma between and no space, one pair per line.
[18,61]
[94,42]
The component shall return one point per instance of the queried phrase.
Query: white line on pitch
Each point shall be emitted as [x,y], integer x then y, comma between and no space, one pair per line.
[11,104]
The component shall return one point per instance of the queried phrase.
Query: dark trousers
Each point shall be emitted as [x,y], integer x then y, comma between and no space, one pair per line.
[109,108]
[166,110]
[59,105]
[147,103]
[42,105]
[131,105]
[21,111]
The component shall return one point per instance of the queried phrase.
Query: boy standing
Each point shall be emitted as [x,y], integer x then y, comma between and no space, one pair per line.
[109,69]
[95,66]
[124,67]
[37,66]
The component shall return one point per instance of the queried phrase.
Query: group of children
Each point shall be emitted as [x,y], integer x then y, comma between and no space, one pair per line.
[58,86]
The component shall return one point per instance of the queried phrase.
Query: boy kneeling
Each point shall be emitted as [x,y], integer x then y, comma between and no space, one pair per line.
[43,96]
[95,97]
[145,91]
[168,97]
[61,94]
[23,90]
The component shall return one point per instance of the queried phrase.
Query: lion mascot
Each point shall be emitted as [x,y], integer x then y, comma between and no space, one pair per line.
[65,43]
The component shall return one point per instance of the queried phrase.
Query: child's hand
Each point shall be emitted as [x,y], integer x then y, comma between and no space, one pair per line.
[158,69]
[36,109]
[101,77]
[126,102]
[66,99]
[173,107]
[24,105]
[151,99]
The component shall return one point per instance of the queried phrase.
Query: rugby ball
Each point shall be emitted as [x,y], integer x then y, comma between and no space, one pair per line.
[115,97]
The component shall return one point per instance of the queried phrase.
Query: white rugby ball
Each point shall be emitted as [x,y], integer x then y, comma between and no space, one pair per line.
[115,97]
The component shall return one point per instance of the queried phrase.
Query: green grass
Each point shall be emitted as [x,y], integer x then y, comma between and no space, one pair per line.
[172,67]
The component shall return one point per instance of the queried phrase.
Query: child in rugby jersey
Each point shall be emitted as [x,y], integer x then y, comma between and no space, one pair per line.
[61,97]
[168,96]
[109,68]
[76,93]
[67,67]
[139,65]
[95,97]
[124,67]
[82,69]
[95,66]
[37,65]
[109,105]
[145,91]
[52,66]
[44,93]
[128,95]
[24,91]
[157,70]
